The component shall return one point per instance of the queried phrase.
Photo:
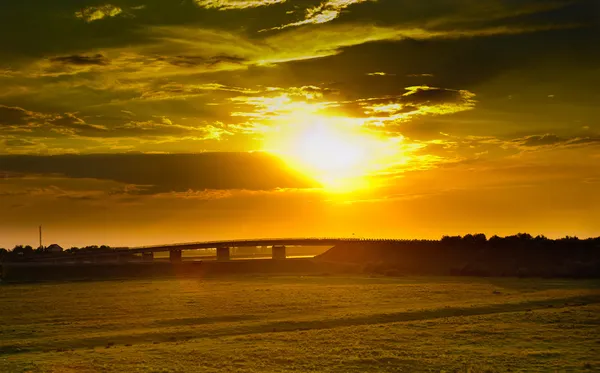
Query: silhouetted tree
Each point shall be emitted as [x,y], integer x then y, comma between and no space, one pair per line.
[524,237]
[468,239]
[495,241]
[480,238]
[570,238]
[22,252]
[451,240]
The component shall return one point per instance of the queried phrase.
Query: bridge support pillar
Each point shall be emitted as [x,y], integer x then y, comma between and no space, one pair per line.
[148,257]
[279,252]
[223,253]
[175,256]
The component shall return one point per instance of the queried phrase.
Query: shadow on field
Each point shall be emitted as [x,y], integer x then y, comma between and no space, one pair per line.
[204,320]
[127,338]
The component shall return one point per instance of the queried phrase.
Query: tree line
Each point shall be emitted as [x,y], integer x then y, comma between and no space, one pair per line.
[478,240]
[27,251]
[520,240]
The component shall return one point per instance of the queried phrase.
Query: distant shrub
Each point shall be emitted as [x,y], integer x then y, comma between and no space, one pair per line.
[392,273]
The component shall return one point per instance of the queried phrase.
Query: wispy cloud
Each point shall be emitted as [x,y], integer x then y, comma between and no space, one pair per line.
[417,101]
[185,50]
[97,59]
[235,4]
[95,13]
[550,141]
[380,73]
[420,75]
[179,90]
[325,12]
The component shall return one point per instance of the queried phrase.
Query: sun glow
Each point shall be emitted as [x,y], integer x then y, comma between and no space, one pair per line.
[335,151]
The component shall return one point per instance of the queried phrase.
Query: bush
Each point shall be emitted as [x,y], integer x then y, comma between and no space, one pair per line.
[392,273]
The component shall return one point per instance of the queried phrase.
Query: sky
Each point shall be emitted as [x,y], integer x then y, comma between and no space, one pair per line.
[134,122]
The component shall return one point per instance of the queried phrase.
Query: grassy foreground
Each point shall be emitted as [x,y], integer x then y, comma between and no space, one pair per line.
[302,324]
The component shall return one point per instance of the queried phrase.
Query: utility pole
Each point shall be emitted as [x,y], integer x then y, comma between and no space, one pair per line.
[41,238]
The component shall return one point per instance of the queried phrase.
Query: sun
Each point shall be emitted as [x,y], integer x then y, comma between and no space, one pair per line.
[337,154]
[323,149]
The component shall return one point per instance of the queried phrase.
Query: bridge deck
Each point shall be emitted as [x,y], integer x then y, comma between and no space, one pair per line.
[256,242]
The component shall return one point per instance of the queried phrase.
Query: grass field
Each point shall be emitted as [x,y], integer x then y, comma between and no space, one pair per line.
[302,324]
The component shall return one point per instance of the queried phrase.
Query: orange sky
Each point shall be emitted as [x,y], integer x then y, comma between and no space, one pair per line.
[141,122]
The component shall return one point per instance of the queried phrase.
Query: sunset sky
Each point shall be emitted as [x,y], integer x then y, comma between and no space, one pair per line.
[132,122]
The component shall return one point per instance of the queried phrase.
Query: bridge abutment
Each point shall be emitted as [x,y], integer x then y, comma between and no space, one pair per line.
[223,253]
[278,252]
[175,256]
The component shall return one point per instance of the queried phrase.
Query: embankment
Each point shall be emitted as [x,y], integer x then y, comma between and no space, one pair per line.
[434,258]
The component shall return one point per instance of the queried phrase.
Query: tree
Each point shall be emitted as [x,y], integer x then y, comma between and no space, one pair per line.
[451,240]
[23,251]
[524,237]
[480,238]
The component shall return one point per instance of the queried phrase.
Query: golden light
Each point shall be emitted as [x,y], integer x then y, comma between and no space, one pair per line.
[336,151]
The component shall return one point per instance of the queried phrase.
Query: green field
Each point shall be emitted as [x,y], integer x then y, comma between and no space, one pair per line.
[301,324]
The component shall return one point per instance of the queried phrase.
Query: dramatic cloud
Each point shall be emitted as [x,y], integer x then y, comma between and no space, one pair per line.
[164,127]
[21,120]
[16,116]
[95,13]
[418,101]
[325,12]
[161,173]
[180,90]
[389,91]
[380,73]
[551,140]
[235,4]
[69,125]
[97,59]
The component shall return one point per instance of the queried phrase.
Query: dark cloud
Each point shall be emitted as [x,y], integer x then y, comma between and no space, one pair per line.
[550,140]
[16,116]
[194,61]
[71,121]
[419,100]
[18,142]
[159,173]
[52,125]
[426,94]
[542,140]
[44,124]
[77,59]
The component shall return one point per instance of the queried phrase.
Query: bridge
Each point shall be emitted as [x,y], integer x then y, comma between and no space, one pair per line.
[223,247]
[278,246]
